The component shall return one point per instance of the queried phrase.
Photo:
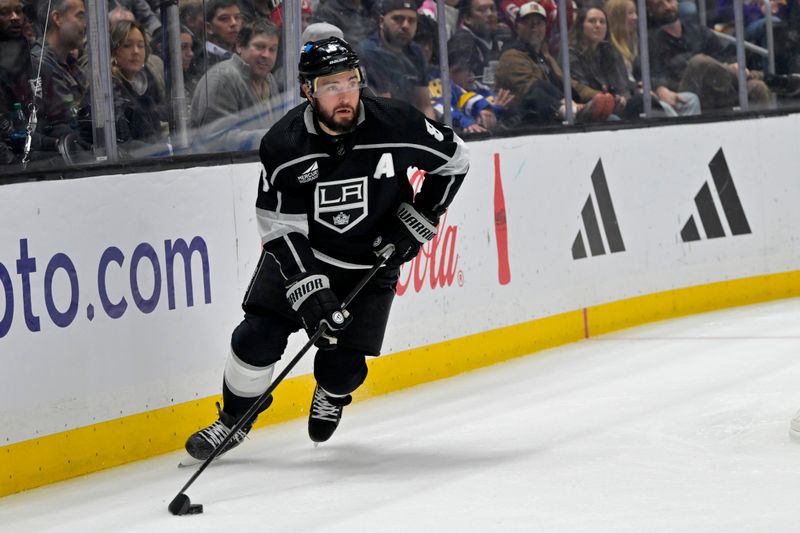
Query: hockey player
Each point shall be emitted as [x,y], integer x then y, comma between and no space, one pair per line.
[332,196]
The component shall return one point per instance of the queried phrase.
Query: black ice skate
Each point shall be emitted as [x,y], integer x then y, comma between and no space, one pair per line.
[202,443]
[326,411]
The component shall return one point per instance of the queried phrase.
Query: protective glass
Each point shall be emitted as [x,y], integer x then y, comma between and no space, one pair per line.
[325,87]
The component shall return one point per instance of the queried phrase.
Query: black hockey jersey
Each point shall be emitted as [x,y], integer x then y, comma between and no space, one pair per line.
[324,198]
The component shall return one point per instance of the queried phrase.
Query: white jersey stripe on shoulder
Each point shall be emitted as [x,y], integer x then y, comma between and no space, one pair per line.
[338,263]
[292,162]
[402,145]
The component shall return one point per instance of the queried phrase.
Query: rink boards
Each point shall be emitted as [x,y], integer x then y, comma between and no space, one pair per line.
[118,293]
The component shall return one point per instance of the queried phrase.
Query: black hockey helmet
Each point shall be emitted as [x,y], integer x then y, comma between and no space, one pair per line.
[326,57]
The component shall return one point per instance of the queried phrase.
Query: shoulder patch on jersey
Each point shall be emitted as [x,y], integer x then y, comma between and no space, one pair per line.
[310,174]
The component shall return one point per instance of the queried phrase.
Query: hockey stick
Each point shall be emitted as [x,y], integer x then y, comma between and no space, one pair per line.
[181,504]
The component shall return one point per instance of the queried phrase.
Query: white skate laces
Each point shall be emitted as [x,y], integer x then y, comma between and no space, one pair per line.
[218,431]
[322,409]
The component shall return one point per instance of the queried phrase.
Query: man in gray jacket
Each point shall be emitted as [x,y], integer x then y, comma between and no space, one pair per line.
[237,100]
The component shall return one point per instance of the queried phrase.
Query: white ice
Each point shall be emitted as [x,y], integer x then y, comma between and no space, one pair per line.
[679,426]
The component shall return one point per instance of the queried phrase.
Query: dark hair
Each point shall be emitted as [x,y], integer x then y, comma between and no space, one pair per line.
[427,31]
[260,26]
[579,36]
[190,8]
[215,5]
[45,10]
[119,33]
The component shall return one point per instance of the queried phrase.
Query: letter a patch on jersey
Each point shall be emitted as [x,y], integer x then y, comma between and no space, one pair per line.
[340,205]
[385,166]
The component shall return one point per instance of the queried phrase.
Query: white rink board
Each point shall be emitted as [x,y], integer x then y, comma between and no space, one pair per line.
[90,371]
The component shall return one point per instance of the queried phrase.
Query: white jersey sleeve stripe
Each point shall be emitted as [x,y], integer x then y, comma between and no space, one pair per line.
[294,253]
[459,163]
[272,225]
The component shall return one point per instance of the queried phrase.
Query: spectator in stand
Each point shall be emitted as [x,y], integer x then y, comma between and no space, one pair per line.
[188,47]
[64,103]
[139,99]
[223,24]
[477,38]
[261,9]
[474,107]
[688,57]
[429,9]
[624,35]
[236,99]
[193,17]
[15,71]
[396,29]
[535,78]
[510,8]
[595,63]
[141,10]
[357,18]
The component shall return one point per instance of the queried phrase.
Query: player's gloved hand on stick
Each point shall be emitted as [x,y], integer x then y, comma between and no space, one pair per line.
[406,232]
[316,304]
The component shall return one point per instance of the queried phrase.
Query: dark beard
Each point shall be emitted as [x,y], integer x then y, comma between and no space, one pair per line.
[665,18]
[335,126]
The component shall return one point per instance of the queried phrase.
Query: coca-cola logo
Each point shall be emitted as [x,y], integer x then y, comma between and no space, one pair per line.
[436,265]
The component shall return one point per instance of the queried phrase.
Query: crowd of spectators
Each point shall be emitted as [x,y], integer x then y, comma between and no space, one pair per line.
[505,65]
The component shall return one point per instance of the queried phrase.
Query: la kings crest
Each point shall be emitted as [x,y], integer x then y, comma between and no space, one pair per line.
[340,205]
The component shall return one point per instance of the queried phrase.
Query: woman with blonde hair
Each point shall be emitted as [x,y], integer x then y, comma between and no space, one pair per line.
[623,32]
[622,29]
[139,99]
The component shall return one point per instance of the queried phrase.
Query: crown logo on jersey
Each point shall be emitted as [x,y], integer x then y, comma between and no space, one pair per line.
[342,219]
[310,174]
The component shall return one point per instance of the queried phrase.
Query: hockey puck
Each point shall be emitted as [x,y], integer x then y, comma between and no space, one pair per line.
[182,505]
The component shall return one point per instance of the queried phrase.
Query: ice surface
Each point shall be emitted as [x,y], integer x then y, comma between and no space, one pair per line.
[677,426]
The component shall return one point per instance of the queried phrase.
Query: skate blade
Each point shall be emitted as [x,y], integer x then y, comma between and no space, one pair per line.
[188,461]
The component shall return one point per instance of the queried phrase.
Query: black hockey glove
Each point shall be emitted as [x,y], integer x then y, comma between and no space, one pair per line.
[406,232]
[316,304]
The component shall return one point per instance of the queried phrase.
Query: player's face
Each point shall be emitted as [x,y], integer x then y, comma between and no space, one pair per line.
[337,98]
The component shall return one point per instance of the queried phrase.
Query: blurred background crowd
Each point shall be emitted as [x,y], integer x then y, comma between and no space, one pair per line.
[506,67]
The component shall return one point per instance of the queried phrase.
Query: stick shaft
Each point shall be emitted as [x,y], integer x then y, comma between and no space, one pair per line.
[263,398]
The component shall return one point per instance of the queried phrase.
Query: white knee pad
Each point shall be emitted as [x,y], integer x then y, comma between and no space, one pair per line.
[245,380]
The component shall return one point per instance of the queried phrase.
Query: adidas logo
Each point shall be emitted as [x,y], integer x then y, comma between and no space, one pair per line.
[600,239]
[310,174]
[707,204]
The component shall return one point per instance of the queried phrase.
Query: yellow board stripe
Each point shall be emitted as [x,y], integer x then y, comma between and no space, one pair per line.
[61,456]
